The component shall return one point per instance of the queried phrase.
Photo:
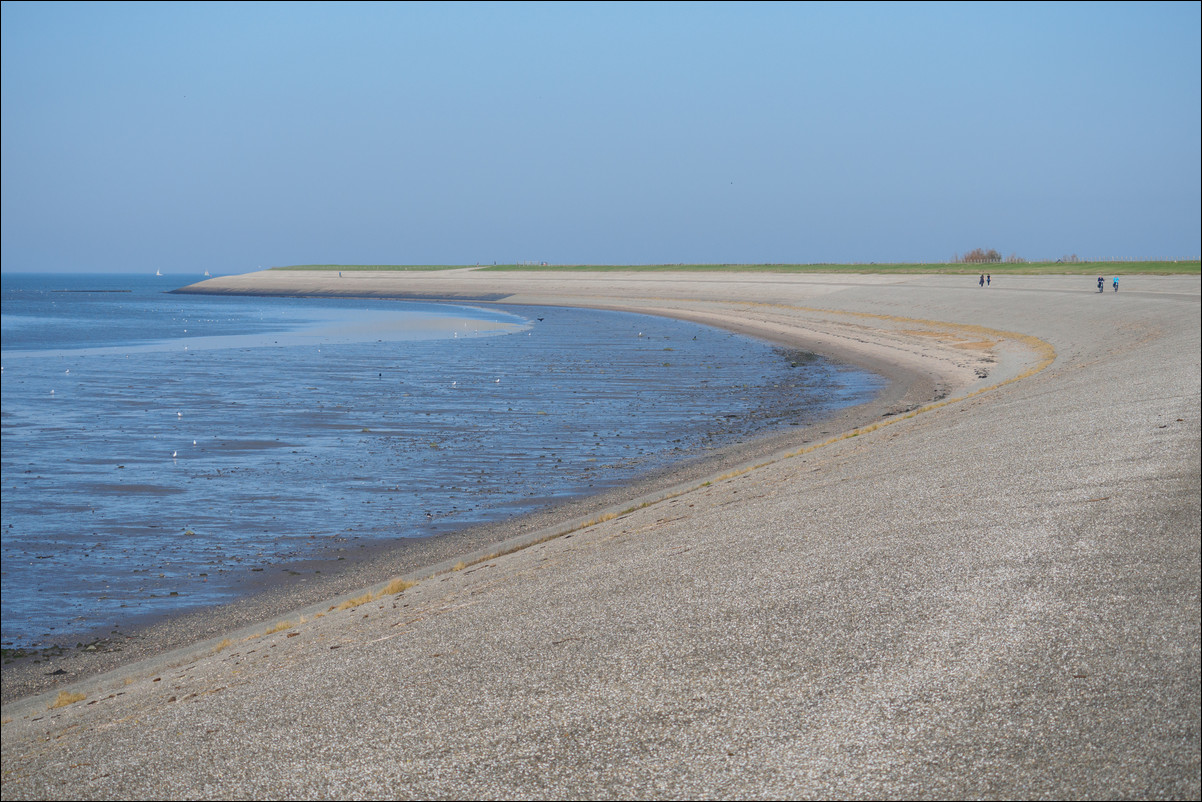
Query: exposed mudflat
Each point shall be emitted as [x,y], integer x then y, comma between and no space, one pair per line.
[990,591]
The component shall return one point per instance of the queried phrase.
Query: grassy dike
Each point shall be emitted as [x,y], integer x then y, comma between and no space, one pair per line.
[1186,267]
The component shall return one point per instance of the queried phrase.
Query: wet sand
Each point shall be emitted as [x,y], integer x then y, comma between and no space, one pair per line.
[994,594]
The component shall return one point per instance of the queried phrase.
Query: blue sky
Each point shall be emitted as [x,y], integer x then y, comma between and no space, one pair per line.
[228,136]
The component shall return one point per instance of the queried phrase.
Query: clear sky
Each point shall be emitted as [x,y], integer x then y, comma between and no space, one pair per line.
[228,136]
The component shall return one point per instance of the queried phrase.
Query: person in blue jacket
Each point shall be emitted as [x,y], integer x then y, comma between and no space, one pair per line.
[1116,284]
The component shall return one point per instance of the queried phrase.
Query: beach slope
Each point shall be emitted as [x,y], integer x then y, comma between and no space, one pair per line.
[989,590]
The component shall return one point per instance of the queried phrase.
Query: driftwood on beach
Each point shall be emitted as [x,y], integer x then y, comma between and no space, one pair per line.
[984,584]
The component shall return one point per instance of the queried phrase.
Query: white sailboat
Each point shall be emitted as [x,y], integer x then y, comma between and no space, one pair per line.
[158,272]
[207,274]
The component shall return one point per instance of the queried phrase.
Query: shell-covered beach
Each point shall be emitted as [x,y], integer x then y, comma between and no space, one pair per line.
[984,584]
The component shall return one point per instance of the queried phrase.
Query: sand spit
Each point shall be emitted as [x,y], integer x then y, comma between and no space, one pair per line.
[991,590]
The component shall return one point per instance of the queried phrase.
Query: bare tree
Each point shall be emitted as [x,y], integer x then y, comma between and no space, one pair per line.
[981,256]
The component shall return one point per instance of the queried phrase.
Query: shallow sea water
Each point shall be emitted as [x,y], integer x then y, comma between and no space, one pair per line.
[157,447]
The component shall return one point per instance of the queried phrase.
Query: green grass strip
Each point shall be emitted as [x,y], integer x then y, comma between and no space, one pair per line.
[1185,267]
[374,268]
[956,268]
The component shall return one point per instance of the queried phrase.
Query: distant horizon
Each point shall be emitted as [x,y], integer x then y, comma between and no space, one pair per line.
[1081,262]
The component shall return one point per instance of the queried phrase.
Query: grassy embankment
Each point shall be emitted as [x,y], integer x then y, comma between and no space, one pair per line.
[1193,267]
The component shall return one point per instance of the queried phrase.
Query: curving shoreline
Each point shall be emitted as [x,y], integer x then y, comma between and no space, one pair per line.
[378,562]
[981,533]
[910,385]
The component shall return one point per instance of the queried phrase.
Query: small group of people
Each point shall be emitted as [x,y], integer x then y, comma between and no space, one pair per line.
[986,279]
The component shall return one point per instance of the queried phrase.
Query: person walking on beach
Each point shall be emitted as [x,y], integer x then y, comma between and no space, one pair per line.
[982,281]
[988,279]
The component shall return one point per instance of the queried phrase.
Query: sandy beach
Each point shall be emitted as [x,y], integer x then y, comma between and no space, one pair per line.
[985,584]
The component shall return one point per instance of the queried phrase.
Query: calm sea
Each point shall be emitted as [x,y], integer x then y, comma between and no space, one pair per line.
[157,447]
